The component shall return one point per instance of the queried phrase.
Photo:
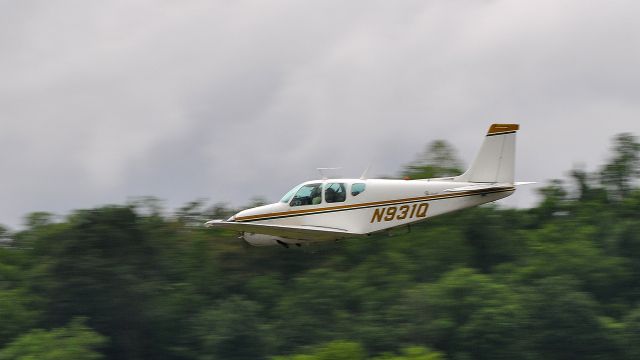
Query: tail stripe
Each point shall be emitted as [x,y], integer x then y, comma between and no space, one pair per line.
[502,133]
[498,129]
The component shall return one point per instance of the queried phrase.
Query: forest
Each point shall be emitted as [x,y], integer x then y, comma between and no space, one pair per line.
[559,280]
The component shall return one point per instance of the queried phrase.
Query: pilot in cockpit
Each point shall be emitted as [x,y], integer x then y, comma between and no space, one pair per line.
[316,195]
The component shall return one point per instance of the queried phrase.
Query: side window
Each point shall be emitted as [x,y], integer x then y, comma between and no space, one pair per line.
[335,192]
[310,194]
[357,188]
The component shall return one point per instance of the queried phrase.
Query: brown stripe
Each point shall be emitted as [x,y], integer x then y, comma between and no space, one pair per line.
[503,128]
[375,203]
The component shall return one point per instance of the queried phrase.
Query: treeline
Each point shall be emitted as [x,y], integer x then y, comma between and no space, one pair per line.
[557,281]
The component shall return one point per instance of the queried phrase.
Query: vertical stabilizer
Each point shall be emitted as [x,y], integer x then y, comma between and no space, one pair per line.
[495,162]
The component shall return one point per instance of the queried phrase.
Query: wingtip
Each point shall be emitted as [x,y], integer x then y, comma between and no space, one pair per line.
[212,223]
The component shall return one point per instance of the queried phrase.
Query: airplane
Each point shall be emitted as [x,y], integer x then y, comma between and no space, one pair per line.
[336,209]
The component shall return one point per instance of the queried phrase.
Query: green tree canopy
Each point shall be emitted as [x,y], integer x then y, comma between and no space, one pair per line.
[560,280]
[439,159]
[624,167]
[75,341]
[335,350]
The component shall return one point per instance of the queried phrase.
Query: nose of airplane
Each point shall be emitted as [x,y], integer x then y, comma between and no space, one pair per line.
[260,210]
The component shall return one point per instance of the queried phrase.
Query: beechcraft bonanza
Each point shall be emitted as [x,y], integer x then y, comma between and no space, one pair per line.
[335,209]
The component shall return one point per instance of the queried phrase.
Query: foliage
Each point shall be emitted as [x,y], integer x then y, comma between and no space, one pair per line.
[558,281]
[75,341]
[335,350]
[349,350]
[439,159]
[624,167]
[413,353]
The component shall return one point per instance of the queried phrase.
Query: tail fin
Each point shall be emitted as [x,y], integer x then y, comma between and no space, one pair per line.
[496,160]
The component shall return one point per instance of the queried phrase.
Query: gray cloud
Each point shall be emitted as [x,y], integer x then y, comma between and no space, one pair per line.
[230,100]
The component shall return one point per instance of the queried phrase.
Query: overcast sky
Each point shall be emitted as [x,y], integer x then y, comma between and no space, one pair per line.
[227,100]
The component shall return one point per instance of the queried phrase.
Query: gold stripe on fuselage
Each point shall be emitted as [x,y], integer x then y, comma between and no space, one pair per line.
[371,204]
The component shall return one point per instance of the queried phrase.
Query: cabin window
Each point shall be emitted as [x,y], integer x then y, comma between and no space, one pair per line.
[357,188]
[310,194]
[335,192]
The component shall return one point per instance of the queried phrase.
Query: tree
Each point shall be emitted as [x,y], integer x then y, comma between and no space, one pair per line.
[17,314]
[624,167]
[75,341]
[563,322]
[466,314]
[568,248]
[413,353]
[559,281]
[489,236]
[438,160]
[335,350]
[315,309]
[229,330]
[5,235]
[631,334]
[100,264]
[554,202]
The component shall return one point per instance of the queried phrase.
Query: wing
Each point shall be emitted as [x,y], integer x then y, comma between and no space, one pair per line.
[491,186]
[310,233]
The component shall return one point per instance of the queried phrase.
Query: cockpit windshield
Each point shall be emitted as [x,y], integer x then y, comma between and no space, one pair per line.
[309,194]
[285,199]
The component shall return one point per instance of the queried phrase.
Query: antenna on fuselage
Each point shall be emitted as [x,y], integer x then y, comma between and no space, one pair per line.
[364,173]
[321,171]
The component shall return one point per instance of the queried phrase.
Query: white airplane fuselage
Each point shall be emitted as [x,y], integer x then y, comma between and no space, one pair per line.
[382,205]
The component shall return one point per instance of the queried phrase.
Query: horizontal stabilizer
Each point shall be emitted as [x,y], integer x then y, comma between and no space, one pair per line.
[520,183]
[290,232]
